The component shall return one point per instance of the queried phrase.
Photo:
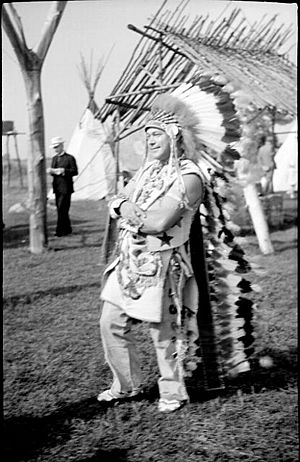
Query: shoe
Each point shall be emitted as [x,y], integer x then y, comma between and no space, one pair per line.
[169,405]
[108,395]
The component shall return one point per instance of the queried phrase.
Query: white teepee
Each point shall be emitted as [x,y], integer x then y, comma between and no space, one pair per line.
[95,161]
[285,176]
[89,145]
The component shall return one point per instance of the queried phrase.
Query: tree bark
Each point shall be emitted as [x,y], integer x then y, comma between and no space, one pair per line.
[31,61]
[37,183]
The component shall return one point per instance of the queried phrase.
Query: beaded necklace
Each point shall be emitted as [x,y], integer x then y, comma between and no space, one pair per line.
[154,179]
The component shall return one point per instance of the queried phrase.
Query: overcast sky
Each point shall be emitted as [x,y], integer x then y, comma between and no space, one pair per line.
[93,28]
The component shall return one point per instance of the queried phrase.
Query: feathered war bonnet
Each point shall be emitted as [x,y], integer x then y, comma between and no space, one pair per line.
[203,119]
[179,122]
[200,120]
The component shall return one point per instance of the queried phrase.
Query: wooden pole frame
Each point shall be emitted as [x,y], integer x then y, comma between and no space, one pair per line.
[174,56]
[8,160]
[14,135]
[116,147]
[18,160]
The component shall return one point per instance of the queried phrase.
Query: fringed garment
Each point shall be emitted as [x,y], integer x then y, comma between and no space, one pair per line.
[199,262]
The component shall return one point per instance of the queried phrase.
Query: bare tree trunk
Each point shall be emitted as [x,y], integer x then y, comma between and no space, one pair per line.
[258,219]
[247,176]
[31,61]
[37,184]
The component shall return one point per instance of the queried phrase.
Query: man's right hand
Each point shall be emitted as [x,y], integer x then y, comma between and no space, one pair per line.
[132,213]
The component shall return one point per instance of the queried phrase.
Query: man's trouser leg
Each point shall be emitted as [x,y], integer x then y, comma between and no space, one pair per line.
[164,335]
[119,348]
[63,202]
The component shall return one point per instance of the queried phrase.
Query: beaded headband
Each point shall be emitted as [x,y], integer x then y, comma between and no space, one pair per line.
[162,120]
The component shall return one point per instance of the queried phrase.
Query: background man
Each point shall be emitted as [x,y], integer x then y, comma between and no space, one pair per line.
[63,168]
[265,157]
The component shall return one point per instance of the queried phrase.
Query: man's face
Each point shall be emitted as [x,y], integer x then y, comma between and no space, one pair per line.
[58,148]
[158,143]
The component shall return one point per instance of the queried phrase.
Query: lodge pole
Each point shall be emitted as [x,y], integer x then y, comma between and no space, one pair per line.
[18,160]
[8,160]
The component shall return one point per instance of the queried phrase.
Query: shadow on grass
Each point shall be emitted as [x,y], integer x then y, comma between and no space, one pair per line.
[115,455]
[18,236]
[14,300]
[80,245]
[283,246]
[26,436]
[15,236]
[287,224]
[278,246]
[282,374]
[249,231]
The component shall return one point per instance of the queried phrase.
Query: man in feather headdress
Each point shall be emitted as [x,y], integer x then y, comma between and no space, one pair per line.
[152,278]
[159,272]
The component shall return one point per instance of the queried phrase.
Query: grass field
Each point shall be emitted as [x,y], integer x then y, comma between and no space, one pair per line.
[54,365]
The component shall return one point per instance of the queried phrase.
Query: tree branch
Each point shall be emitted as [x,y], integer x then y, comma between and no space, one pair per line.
[18,22]
[16,41]
[49,29]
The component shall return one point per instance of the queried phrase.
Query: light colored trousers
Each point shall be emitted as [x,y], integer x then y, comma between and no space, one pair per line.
[121,354]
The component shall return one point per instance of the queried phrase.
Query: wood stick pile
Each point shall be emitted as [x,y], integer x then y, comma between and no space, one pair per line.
[174,48]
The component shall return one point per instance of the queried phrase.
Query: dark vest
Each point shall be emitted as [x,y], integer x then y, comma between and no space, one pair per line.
[63,184]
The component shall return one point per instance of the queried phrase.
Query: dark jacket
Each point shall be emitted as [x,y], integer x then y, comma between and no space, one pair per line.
[64,183]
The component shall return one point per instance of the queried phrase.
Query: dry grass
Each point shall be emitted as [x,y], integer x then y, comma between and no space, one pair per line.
[54,364]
